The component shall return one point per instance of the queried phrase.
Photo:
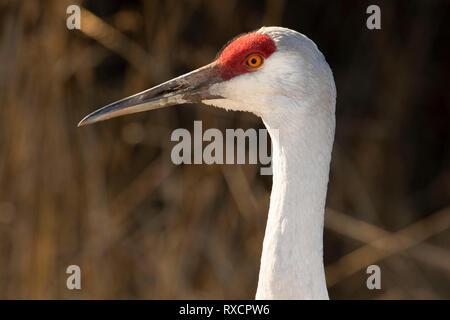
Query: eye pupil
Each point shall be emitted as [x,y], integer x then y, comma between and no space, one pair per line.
[254,61]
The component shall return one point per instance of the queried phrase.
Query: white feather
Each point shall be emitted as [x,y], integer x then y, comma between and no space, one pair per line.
[293,92]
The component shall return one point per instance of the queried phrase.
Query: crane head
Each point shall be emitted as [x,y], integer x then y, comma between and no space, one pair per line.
[255,72]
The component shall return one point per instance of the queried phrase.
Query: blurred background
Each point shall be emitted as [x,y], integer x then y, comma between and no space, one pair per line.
[107,197]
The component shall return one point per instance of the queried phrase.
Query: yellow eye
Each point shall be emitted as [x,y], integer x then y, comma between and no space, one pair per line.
[254,61]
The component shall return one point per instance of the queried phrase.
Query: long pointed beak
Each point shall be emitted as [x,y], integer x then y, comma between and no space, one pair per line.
[188,88]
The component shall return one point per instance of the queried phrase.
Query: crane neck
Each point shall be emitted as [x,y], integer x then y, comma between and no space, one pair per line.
[292,257]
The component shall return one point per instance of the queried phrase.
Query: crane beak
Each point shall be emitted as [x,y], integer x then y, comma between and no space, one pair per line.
[192,87]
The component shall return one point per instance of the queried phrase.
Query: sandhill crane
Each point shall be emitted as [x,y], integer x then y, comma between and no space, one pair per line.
[281,76]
